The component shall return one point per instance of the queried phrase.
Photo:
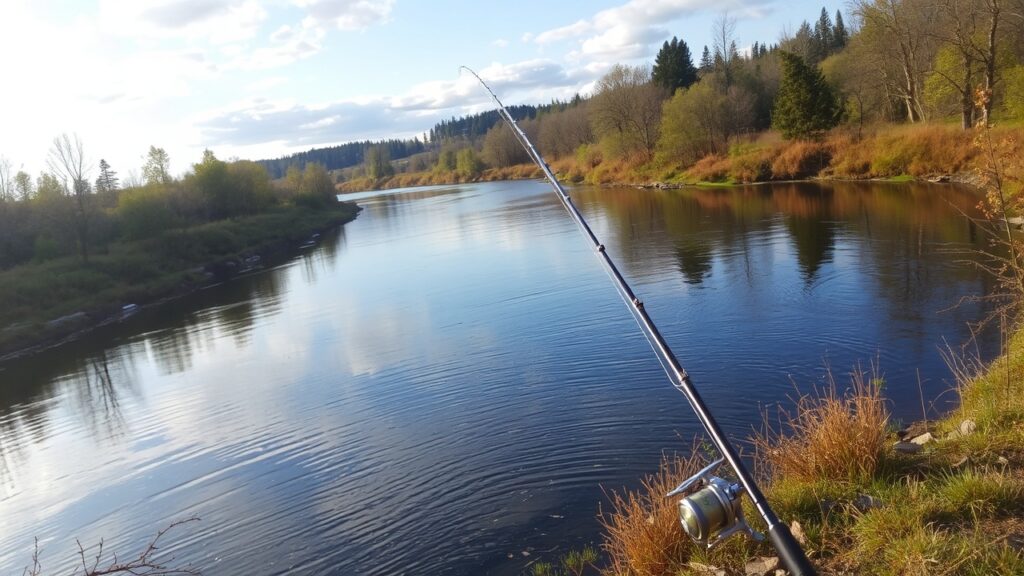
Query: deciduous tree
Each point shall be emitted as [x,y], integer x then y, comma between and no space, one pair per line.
[157,167]
[67,160]
[626,110]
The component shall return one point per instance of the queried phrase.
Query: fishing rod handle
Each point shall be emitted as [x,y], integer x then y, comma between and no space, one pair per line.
[789,551]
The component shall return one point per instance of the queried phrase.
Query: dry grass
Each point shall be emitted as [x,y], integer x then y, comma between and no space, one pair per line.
[831,436]
[801,159]
[642,535]
[710,169]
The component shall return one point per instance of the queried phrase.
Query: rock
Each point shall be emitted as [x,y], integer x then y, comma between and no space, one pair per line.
[780,572]
[798,532]
[706,570]
[906,447]
[923,439]
[967,427]
[866,502]
[762,566]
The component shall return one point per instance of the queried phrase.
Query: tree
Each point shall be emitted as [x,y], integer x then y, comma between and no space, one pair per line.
[839,34]
[157,167]
[6,181]
[824,35]
[446,159]
[67,161]
[673,66]
[724,33]
[626,110]
[805,104]
[317,187]
[502,148]
[107,180]
[467,163]
[210,178]
[23,186]
[706,63]
[897,31]
[378,164]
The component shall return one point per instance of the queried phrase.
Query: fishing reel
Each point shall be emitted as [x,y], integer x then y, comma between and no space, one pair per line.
[712,509]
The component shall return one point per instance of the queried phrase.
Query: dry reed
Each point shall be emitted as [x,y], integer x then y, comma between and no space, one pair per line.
[642,535]
[828,436]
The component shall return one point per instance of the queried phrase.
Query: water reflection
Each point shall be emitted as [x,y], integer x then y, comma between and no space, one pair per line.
[451,379]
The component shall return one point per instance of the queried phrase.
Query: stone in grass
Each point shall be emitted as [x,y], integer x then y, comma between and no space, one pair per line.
[906,447]
[762,566]
[923,439]
[866,502]
[915,429]
[967,427]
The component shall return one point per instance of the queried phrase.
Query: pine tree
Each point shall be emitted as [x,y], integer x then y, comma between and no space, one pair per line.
[107,181]
[705,61]
[824,35]
[839,34]
[805,105]
[673,66]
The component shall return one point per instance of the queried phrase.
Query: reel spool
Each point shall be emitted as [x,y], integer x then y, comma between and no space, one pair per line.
[712,509]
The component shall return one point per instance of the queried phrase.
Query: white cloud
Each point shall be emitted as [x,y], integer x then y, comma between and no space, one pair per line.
[288,44]
[500,43]
[347,14]
[629,31]
[255,124]
[571,31]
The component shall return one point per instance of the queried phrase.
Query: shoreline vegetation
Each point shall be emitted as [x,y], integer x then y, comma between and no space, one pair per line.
[895,153]
[53,302]
[75,254]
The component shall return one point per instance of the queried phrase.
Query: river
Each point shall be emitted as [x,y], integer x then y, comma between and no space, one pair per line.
[445,385]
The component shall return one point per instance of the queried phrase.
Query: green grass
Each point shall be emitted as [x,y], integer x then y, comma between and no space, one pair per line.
[140,271]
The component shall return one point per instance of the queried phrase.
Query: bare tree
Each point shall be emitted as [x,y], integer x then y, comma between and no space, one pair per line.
[6,180]
[898,31]
[67,161]
[626,109]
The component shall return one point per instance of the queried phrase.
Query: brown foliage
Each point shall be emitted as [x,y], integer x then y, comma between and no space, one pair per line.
[828,436]
[801,159]
[642,534]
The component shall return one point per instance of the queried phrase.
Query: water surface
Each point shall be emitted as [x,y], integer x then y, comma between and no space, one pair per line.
[448,381]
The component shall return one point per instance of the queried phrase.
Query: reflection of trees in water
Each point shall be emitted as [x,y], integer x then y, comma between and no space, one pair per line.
[695,261]
[94,385]
[902,227]
[99,392]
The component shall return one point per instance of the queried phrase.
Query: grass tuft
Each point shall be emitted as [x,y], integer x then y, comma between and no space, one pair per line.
[829,437]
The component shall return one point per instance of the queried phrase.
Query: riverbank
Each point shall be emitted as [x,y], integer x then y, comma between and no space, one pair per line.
[863,494]
[51,302]
[930,152]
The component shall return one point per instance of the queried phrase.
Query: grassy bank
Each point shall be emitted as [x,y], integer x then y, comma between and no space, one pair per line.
[47,301]
[955,506]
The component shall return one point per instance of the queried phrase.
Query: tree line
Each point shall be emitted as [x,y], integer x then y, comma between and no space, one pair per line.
[885,61]
[75,208]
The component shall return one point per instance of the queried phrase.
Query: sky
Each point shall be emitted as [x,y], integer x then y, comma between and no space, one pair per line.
[260,79]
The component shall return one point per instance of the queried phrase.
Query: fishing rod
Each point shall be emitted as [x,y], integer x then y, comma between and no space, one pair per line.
[711,509]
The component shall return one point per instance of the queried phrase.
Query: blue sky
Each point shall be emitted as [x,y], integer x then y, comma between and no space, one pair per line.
[254,79]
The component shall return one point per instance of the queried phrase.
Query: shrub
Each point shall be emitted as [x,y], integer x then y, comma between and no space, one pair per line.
[828,436]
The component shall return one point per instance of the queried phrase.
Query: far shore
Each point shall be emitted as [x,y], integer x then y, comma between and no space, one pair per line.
[257,242]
